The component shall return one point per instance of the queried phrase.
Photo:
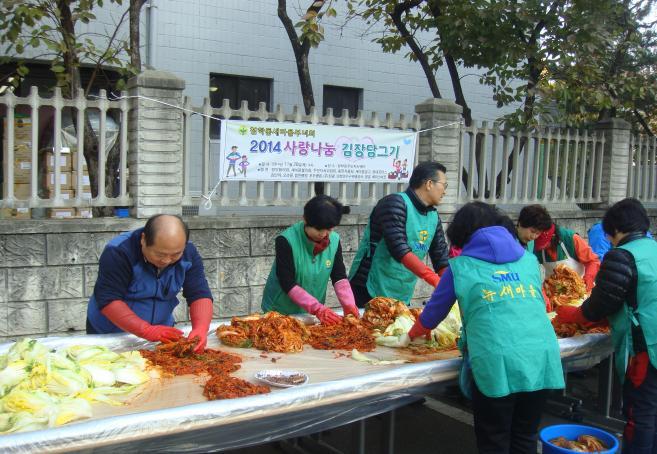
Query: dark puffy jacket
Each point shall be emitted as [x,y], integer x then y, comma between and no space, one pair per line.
[388,219]
[615,285]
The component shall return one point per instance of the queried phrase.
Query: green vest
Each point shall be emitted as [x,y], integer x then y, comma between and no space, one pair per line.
[509,338]
[387,276]
[312,273]
[566,237]
[644,251]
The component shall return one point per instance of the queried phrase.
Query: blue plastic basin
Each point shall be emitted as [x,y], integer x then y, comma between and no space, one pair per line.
[121,212]
[571,432]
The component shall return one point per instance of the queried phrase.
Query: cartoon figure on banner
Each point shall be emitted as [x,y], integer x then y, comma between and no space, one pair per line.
[232,158]
[244,163]
[396,174]
[404,170]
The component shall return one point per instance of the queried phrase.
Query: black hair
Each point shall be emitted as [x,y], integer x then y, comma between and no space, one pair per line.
[505,221]
[152,226]
[626,216]
[535,216]
[470,218]
[323,212]
[425,171]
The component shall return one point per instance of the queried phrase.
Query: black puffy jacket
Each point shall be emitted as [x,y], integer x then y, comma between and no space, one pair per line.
[388,220]
[615,285]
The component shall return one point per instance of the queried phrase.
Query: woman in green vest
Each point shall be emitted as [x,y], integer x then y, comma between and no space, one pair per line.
[307,254]
[556,245]
[506,338]
[626,294]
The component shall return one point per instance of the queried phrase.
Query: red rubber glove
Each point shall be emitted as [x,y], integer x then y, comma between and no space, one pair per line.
[122,316]
[346,297]
[638,368]
[327,317]
[420,269]
[571,314]
[418,330]
[546,300]
[200,312]
[305,300]
[590,282]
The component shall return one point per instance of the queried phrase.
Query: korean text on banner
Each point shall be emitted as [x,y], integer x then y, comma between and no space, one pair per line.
[265,151]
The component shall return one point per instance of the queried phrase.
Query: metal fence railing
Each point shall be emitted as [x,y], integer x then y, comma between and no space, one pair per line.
[44,164]
[642,171]
[548,165]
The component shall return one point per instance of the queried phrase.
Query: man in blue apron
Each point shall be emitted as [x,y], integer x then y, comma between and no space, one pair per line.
[626,294]
[402,229]
[506,338]
[139,276]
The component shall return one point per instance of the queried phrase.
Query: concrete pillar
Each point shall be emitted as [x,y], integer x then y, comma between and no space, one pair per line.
[615,161]
[155,137]
[442,144]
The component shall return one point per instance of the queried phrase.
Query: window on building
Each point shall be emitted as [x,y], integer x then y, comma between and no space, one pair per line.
[45,80]
[340,98]
[254,90]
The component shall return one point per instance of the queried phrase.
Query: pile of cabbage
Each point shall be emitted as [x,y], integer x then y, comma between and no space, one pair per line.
[40,388]
[443,337]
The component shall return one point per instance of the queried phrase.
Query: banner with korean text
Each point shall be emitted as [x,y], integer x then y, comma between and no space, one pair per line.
[267,151]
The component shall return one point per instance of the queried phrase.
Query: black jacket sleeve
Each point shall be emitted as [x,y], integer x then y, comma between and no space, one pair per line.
[438,251]
[284,260]
[389,221]
[338,272]
[614,285]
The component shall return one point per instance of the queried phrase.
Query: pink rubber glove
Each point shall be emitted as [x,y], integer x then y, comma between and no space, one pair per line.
[346,297]
[308,302]
[200,312]
[119,313]
[420,269]
[418,330]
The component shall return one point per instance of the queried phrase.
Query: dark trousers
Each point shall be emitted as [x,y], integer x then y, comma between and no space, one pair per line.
[361,295]
[640,410]
[507,424]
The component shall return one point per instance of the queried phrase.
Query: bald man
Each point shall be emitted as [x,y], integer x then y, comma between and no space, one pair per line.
[139,275]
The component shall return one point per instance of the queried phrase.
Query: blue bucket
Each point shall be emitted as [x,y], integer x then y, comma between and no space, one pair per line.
[121,212]
[571,432]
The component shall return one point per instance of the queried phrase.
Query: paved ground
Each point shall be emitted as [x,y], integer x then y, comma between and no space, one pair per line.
[440,424]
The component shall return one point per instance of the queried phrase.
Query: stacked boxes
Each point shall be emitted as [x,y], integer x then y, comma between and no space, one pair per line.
[22,169]
[22,164]
[68,163]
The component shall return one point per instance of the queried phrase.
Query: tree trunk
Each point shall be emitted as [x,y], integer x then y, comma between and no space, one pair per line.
[70,58]
[134,51]
[301,51]
[396,17]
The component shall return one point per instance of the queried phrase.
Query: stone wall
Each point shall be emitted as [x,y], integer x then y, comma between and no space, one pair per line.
[49,268]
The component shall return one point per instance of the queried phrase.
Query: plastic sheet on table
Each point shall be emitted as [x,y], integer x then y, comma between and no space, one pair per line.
[171,415]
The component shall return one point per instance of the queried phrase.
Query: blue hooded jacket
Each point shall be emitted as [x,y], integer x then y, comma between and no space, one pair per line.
[492,244]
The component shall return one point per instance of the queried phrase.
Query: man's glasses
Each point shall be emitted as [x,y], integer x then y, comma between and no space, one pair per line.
[444,183]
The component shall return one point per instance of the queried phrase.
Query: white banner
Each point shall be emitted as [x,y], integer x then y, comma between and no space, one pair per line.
[266,151]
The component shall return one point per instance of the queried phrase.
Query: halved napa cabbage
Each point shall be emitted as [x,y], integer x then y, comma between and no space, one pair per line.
[41,388]
[449,330]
